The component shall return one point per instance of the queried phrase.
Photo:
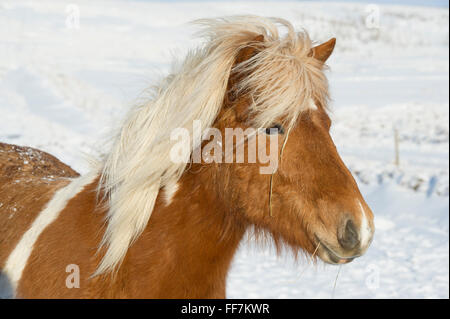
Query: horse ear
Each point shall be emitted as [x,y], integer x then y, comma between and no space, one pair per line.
[323,51]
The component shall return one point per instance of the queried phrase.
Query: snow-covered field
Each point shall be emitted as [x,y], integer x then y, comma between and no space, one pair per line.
[65,81]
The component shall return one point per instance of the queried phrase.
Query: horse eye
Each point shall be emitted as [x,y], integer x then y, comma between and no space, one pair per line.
[277,128]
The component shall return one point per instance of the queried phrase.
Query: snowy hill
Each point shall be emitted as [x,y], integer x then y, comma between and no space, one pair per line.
[65,81]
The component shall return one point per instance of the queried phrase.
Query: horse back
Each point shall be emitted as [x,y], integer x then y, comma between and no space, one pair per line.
[28,180]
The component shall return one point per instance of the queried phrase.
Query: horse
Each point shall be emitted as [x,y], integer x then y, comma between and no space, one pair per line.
[141,225]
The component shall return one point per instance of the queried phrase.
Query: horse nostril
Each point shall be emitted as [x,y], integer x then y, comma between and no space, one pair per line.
[349,238]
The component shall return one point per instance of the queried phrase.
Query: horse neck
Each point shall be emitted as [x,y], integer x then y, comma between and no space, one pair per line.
[188,245]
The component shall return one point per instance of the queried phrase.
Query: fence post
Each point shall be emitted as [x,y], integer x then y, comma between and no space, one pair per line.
[397,155]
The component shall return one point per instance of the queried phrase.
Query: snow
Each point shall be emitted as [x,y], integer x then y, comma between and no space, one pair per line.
[64,83]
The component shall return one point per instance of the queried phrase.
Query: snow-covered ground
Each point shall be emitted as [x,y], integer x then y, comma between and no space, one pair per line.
[65,81]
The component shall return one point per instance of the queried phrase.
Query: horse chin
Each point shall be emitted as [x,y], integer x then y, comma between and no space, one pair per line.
[328,256]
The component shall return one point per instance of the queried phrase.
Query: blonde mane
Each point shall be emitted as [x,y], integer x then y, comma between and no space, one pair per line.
[281,78]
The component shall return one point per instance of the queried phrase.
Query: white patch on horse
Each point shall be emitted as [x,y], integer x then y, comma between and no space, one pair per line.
[169,192]
[366,231]
[18,259]
[311,105]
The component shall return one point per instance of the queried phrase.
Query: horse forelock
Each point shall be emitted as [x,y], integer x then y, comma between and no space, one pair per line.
[281,79]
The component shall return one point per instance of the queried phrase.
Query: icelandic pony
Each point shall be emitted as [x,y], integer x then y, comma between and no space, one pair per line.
[141,225]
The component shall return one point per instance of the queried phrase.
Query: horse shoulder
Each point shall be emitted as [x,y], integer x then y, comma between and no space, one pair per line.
[67,248]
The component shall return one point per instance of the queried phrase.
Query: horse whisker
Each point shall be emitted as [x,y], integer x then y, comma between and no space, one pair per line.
[307,267]
[272,175]
[335,281]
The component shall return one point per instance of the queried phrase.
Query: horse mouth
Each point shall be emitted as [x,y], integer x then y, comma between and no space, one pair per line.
[329,256]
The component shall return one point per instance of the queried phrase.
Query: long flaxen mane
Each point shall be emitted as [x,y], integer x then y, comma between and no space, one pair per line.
[281,78]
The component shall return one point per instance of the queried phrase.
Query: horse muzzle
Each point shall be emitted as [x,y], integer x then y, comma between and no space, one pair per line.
[351,242]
